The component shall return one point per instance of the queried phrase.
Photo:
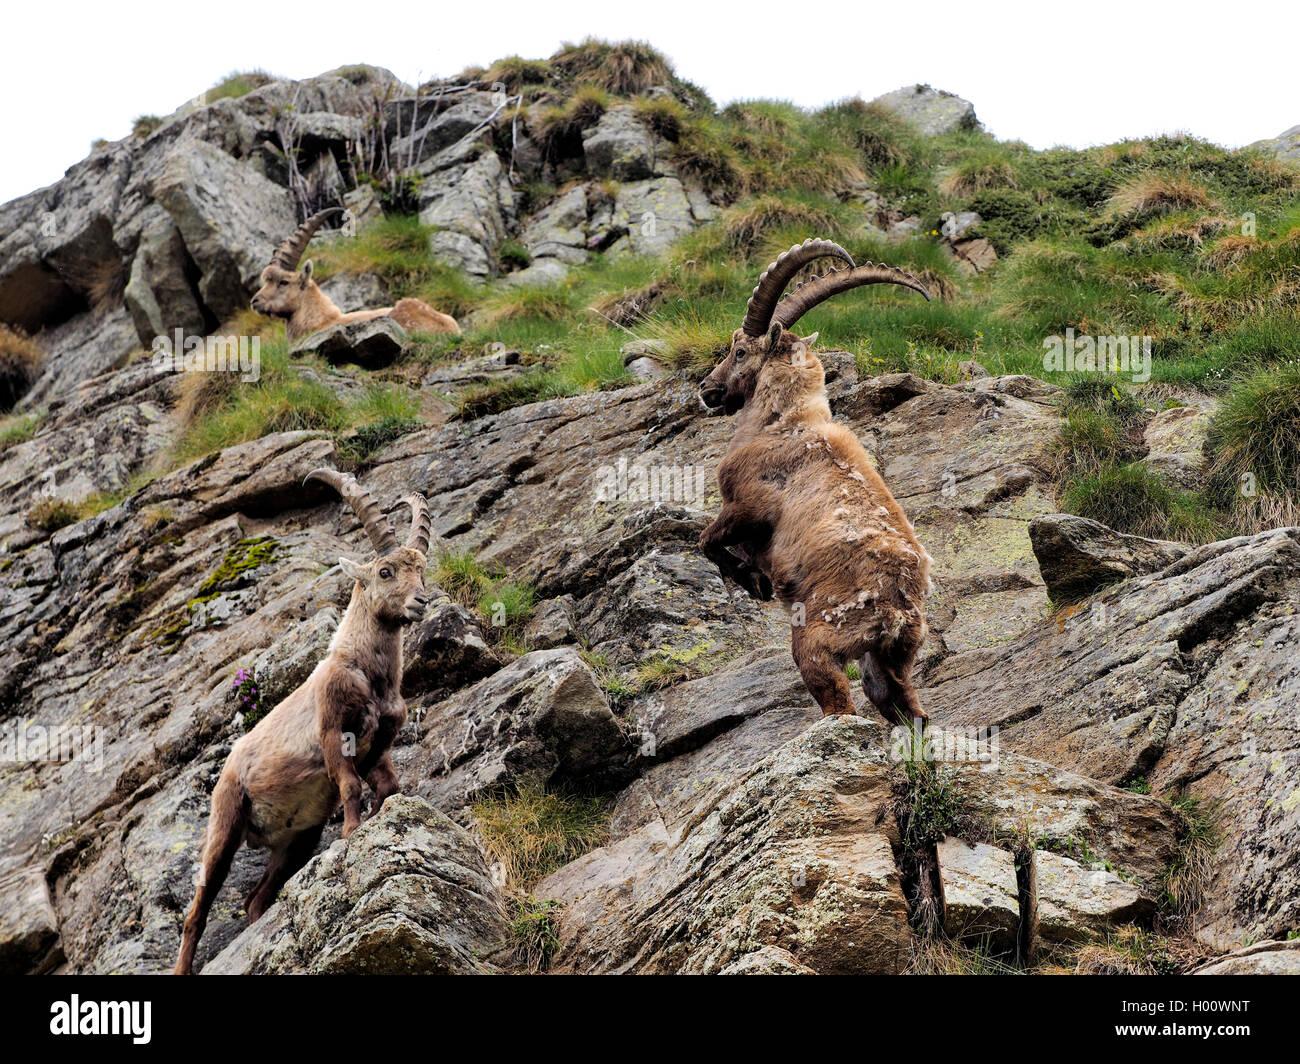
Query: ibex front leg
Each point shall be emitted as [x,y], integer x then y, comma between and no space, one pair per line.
[732,527]
[343,702]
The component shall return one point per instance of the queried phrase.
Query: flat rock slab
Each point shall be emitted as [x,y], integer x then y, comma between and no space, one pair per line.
[1074,903]
[1274,957]
[981,901]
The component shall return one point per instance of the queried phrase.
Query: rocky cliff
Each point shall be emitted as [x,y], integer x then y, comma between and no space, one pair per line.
[1113,779]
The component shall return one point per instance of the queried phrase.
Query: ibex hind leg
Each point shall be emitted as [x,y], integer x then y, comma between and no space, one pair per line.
[822,672]
[284,863]
[226,825]
[894,664]
[875,685]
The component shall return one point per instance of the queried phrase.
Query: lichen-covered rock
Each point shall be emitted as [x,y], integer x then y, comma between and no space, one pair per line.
[1077,555]
[1074,903]
[981,901]
[29,926]
[471,209]
[408,893]
[797,854]
[543,717]
[1274,957]
[932,111]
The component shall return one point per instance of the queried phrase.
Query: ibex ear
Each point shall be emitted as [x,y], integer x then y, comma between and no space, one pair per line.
[773,339]
[304,277]
[811,338]
[352,570]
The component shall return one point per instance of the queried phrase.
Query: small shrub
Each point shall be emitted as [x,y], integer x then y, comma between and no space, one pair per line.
[1131,498]
[248,700]
[144,125]
[532,927]
[533,831]
[1255,442]
[239,83]
[625,68]
[513,255]
[50,515]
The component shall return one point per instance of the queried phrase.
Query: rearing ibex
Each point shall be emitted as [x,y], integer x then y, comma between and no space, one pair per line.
[295,297]
[806,512]
[286,777]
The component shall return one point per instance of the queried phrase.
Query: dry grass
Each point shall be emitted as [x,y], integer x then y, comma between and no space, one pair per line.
[1157,193]
[534,831]
[21,359]
[625,68]
[1231,250]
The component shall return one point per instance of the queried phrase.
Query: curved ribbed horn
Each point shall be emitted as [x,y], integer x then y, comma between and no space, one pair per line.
[805,297]
[421,526]
[363,504]
[758,312]
[288,254]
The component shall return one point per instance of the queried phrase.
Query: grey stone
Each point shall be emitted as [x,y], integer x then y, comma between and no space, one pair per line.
[408,894]
[374,343]
[931,111]
[1073,903]
[981,902]
[1078,555]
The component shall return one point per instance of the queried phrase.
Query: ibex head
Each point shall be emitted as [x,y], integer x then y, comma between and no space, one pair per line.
[766,333]
[282,281]
[392,585]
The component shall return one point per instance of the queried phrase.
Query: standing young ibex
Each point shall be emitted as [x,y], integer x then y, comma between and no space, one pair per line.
[807,513]
[295,297]
[286,777]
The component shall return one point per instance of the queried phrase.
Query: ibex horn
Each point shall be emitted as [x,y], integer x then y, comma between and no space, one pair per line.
[363,504]
[288,254]
[758,313]
[803,299]
[418,538]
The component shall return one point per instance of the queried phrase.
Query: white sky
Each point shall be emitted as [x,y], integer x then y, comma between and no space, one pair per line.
[1045,73]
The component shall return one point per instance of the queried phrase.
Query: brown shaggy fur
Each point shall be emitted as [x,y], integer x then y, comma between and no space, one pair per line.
[806,517]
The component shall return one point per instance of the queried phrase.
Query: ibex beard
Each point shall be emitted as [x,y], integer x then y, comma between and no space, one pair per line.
[284,779]
[805,516]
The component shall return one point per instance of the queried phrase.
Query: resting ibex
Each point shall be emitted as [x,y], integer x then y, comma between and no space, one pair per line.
[286,777]
[295,297]
[808,516]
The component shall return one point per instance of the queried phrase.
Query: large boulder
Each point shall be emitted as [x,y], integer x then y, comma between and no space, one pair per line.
[407,894]
[1077,555]
[797,856]
[1185,678]
[931,111]
[544,718]
[471,209]
[229,218]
